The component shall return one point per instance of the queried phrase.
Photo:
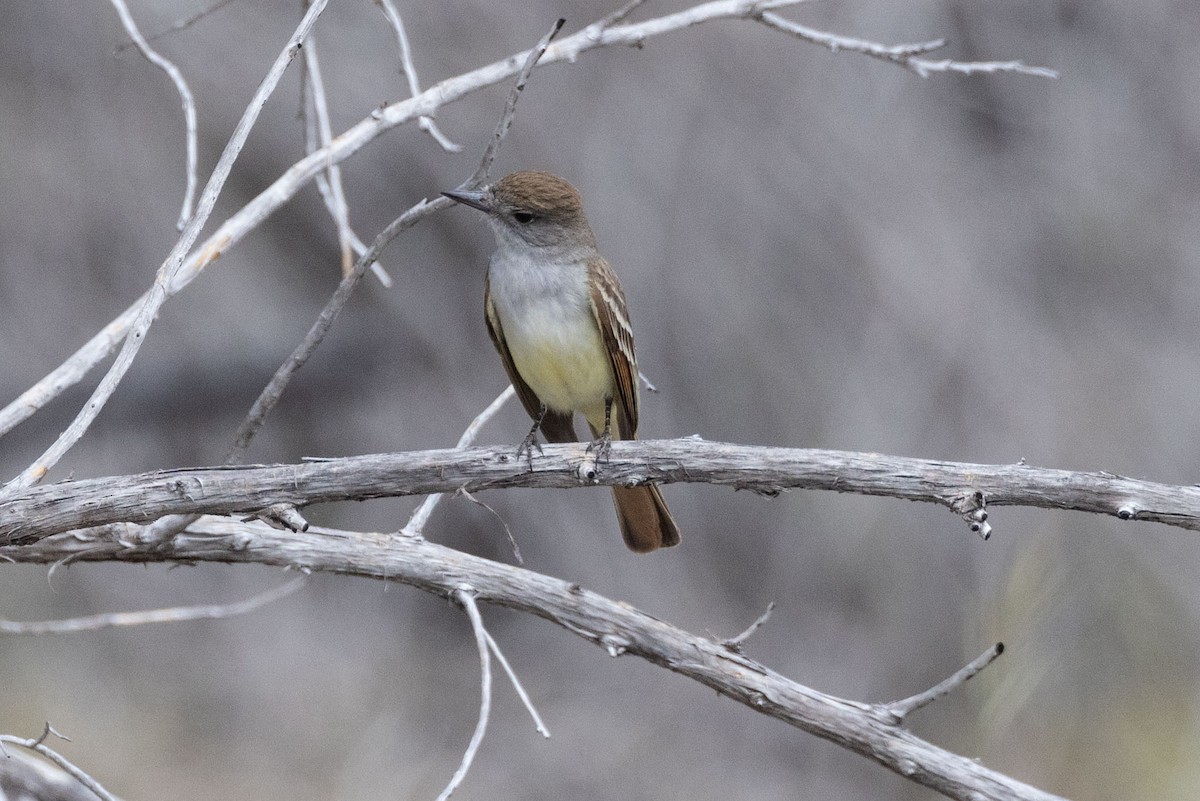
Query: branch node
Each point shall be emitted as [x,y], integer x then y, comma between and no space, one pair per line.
[280,516]
[1127,512]
[895,712]
[735,643]
[586,471]
[616,646]
[973,509]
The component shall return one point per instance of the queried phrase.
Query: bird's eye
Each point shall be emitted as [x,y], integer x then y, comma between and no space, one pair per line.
[523,217]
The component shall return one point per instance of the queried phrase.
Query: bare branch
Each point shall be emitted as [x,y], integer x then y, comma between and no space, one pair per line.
[510,108]
[172,266]
[178,26]
[41,511]
[175,614]
[924,66]
[620,15]
[333,173]
[185,94]
[39,746]
[512,676]
[409,70]
[29,778]
[899,710]
[906,55]
[316,136]
[616,627]
[464,595]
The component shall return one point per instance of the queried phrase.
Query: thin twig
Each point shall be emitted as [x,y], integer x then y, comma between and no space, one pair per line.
[273,391]
[897,711]
[510,108]
[923,67]
[340,210]
[736,643]
[178,26]
[601,25]
[175,614]
[465,596]
[312,143]
[512,541]
[40,747]
[158,293]
[906,55]
[416,523]
[409,69]
[185,94]
[512,676]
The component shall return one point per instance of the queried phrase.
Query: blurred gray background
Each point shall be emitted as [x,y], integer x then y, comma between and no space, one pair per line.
[819,250]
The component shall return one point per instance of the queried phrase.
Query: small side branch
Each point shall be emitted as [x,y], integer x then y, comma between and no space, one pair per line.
[465,596]
[179,25]
[331,180]
[897,711]
[409,69]
[735,643]
[176,614]
[516,683]
[908,56]
[185,94]
[510,108]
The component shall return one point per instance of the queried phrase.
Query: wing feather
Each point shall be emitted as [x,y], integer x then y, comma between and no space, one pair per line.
[608,306]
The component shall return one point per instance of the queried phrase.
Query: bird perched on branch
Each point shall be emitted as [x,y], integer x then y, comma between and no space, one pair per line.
[556,313]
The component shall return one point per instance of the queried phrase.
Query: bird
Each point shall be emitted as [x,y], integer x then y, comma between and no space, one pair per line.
[557,316]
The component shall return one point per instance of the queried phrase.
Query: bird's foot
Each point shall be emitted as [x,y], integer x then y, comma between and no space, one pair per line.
[527,445]
[601,446]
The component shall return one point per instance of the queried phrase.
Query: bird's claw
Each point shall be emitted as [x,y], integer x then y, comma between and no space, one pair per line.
[601,446]
[527,445]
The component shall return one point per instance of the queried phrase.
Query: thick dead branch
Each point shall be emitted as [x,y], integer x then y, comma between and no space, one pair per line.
[866,729]
[29,515]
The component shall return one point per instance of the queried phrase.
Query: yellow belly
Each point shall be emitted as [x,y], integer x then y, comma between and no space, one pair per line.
[565,365]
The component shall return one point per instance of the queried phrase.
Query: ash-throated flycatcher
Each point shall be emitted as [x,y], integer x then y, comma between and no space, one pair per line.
[556,314]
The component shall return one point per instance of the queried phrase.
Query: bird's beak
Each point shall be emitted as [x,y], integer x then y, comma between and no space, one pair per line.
[478,198]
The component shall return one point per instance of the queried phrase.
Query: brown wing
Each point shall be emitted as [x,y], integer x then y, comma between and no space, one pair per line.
[608,305]
[555,427]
